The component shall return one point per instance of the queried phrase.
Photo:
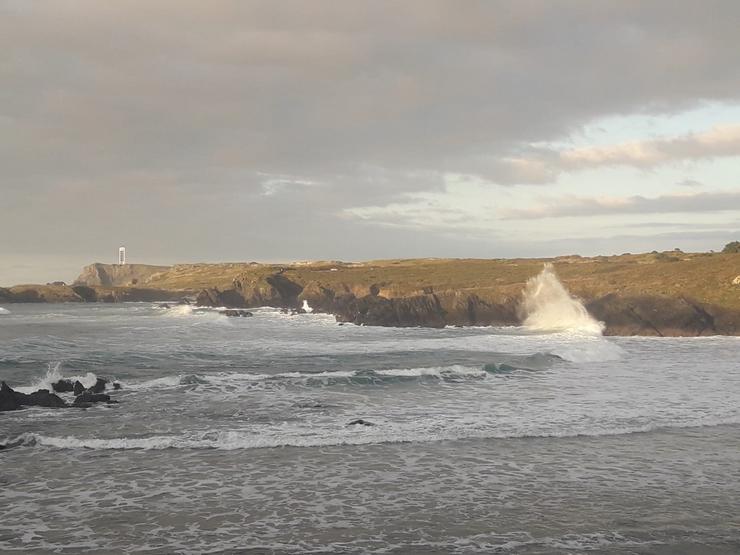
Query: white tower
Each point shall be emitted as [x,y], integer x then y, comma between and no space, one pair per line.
[122,255]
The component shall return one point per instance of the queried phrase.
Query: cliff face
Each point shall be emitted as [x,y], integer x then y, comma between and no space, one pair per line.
[633,294]
[647,294]
[115,275]
[84,293]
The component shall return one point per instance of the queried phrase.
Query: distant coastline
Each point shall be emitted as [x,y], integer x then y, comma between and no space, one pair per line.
[656,294]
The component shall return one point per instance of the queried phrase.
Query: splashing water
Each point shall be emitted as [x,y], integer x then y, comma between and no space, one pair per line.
[53,375]
[4,310]
[307,307]
[550,307]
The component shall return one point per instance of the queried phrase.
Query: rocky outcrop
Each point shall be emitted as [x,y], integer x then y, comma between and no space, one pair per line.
[468,309]
[372,310]
[13,400]
[84,293]
[274,290]
[63,386]
[41,294]
[661,316]
[319,297]
[88,398]
[360,422]
[78,388]
[236,313]
[117,275]
[7,398]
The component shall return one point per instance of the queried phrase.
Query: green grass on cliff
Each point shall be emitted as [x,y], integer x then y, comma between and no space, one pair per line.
[706,277]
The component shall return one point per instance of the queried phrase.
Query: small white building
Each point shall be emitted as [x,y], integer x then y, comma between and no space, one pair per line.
[121,255]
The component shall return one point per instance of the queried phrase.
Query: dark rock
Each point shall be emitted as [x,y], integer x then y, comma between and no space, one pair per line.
[88,397]
[660,316]
[99,386]
[63,386]
[318,296]
[40,398]
[86,293]
[207,297]
[116,385]
[360,422]
[214,297]
[468,309]
[7,398]
[78,388]
[375,310]
[15,443]
[236,313]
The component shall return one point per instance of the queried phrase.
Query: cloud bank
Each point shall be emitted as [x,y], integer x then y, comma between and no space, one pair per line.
[246,130]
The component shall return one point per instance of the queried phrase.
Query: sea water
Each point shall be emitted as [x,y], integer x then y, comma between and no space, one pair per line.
[233,435]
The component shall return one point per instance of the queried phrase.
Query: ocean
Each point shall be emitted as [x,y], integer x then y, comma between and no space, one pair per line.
[234,435]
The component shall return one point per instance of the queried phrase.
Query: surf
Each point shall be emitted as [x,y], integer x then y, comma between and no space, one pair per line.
[549,306]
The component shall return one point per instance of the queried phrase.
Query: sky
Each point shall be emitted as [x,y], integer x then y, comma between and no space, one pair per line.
[195,131]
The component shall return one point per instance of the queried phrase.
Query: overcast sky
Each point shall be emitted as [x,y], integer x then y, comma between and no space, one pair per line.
[239,131]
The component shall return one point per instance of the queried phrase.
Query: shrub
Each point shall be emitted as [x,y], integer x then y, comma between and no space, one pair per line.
[733,246]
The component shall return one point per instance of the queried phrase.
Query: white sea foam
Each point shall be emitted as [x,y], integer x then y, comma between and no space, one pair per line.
[53,375]
[550,307]
[233,378]
[385,432]
[186,310]
[4,311]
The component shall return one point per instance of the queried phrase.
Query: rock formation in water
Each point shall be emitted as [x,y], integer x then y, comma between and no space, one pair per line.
[14,400]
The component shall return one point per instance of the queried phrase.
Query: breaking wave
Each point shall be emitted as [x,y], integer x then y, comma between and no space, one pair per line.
[341,434]
[335,377]
[549,306]
[53,375]
[4,311]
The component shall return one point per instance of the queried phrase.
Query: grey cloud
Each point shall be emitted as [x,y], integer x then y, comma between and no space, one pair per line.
[592,206]
[155,122]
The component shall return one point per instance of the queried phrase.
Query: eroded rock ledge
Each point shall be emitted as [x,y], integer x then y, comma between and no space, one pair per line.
[622,315]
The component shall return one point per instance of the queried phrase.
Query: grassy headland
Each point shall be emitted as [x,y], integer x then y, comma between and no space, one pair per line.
[666,293]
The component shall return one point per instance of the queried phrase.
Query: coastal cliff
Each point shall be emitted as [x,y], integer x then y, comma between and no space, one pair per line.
[660,294]
[117,275]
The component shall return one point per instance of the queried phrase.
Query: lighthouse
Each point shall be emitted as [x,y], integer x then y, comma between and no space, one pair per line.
[121,255]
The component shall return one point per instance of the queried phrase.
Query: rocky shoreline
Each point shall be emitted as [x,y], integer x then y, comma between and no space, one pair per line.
[652,294]
[644,315]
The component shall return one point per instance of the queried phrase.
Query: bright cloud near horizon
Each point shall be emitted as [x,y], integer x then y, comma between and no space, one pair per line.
[238,130]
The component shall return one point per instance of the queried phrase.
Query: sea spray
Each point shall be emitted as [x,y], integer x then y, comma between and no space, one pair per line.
[53,375]
[548,306]
[4,310]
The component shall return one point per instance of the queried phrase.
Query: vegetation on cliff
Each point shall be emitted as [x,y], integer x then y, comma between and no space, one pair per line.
[658,293]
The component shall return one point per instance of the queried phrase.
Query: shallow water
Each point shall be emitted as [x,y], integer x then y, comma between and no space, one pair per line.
[231,434]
